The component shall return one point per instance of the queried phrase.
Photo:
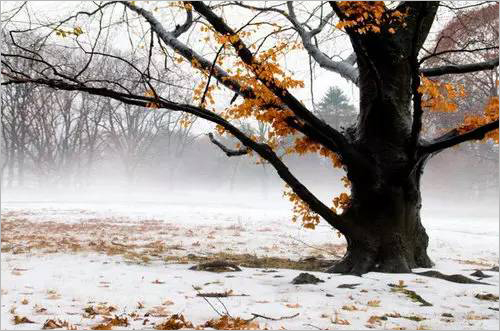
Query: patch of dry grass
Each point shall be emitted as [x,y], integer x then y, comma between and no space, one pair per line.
[136,241]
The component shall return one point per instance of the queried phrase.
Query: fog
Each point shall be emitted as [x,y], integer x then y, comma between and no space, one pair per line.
[455,183]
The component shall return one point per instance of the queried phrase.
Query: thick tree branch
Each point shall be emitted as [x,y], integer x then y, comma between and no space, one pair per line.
[460,68]
[423,13]
[415,80]
[448,51]
[453,138]
[180,29]
[229,152]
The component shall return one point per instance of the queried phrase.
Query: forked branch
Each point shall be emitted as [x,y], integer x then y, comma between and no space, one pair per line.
[229,152]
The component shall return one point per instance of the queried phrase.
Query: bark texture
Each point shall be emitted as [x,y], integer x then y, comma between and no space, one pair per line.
[386,233]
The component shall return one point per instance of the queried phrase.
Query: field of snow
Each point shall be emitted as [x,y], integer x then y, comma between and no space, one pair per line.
[93,265]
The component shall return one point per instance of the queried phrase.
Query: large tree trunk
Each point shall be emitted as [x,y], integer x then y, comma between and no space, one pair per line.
[384,231]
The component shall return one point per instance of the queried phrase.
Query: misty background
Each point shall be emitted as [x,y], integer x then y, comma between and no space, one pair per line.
[70,146]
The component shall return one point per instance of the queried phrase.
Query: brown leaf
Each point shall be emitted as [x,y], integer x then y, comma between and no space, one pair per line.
[53,324]
[108,323]
[158,311]
[21,320]
[175,322]
[230,323]
[290,305]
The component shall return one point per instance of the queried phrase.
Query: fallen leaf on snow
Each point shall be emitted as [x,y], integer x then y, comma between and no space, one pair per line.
[349,307]
[108,323]
[230,323]
[291,305]
[158,311]
[374,303]
[175,322]
[21,320]
[55,324]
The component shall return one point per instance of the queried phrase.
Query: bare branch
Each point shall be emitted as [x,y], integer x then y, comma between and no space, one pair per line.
[460,68]
[272,318]
[437,54]
[343,68]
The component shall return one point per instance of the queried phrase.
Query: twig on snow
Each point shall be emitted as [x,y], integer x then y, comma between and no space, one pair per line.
[271,318]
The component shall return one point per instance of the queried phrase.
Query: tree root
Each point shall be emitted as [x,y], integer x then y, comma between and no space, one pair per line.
[361,259]
[360,263]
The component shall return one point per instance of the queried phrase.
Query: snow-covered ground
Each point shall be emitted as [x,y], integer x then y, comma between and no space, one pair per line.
[83,262]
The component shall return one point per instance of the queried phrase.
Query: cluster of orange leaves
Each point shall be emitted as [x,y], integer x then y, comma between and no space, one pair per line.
[343,201]
[366,16]
[199,90]
[443,97]
[490,114]
[174,322]
[440,96]
[301,210]
[109,323]
[267,107]
[232,323]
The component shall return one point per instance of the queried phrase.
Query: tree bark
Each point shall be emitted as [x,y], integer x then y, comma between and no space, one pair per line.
[386,233]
